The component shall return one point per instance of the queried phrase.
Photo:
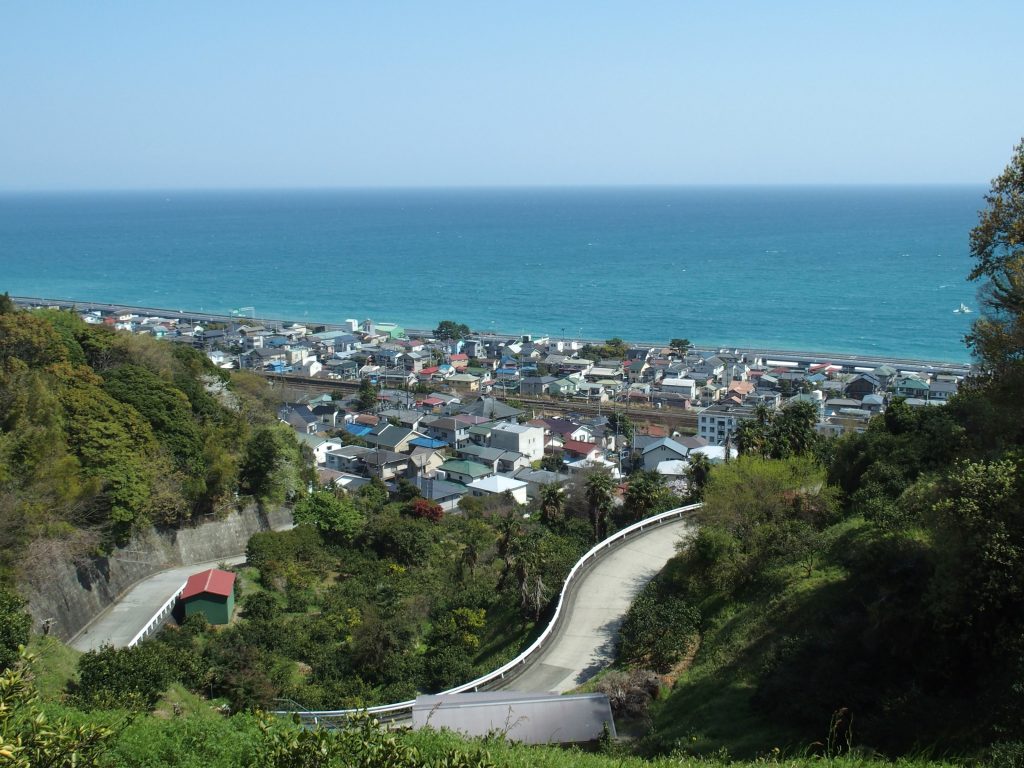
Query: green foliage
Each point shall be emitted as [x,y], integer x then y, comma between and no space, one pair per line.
[449,330]
[124,678]
[646,495]
[367,396]
[779,434]
[114,444]
[612,349]
[621,424]
[335,515]
[165,407]
[599,488]
[978,529]
[658,629]
[15,624]
[680,346]
[553,461]
[29,739]
[271,466]
[29,338]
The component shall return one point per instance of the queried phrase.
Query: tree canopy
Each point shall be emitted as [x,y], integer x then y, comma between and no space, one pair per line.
[449,330]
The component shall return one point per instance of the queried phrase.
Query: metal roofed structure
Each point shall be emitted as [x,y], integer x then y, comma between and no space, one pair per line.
[530,718]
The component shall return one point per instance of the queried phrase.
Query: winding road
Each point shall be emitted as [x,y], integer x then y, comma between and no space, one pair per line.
[584,641]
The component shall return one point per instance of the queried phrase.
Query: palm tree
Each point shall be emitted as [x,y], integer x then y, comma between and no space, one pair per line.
[468,560]
[599,497]
[552,503]
[700,470]
[510,547]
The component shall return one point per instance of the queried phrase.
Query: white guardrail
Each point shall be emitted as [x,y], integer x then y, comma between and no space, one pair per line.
[404,708]
[154,623]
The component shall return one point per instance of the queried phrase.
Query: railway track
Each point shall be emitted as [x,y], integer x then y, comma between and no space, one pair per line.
[679,420]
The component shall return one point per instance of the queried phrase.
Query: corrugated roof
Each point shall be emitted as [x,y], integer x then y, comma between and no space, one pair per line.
[213,581]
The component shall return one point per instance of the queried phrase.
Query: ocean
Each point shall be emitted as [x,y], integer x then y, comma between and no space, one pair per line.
[866,270]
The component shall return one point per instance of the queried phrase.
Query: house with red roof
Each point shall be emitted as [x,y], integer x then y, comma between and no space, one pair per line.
[211,593]
[576,450]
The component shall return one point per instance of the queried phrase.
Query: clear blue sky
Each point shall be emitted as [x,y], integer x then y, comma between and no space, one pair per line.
[324,94]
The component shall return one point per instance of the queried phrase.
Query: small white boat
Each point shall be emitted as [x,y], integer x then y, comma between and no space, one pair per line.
[963,309]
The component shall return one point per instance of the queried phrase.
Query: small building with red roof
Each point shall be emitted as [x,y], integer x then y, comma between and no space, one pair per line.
[211,593]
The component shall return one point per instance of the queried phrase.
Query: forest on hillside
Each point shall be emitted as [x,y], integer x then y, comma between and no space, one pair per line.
[103,432]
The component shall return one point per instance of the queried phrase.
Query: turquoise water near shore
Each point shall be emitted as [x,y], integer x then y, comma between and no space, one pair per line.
[871,270]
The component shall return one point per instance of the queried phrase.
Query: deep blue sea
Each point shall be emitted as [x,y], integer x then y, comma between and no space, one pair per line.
[873,270]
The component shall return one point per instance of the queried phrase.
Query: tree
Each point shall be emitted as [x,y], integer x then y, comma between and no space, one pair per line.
[598,490]
[553,461]
[681,346]
[621,424]
[367,397]
[124,678]
[336,516]
[552,503]
[449,330]
[426,509]
[271,466]
[28,738]
[646,495]
[14,627]
[779,434]
[997,244]
[698,474]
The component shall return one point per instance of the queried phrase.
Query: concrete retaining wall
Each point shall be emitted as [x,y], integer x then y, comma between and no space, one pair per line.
[72,595]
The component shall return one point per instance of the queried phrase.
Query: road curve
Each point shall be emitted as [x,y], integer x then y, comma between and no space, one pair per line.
[584,642]
[122,619]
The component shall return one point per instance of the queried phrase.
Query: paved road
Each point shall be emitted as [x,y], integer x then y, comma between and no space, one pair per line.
[584,643]
[121,620]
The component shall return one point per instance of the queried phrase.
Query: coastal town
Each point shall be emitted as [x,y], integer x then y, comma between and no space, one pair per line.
[457,413]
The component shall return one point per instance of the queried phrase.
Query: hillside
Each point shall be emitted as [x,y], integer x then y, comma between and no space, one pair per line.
[102,433]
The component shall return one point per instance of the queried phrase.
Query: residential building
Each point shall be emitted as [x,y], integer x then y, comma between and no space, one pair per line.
[718,422]
[521,438]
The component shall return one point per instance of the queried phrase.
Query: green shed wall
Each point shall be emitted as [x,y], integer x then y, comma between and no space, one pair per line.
[217,610]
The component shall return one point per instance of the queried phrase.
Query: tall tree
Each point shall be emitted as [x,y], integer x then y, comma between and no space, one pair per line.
[449,330]
[997,244]
[367,398]
[680,346]
[598,490]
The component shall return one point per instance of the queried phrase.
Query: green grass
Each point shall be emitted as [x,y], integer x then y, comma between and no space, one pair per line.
[508,635]
[506,755]
[710,707]
[55,665]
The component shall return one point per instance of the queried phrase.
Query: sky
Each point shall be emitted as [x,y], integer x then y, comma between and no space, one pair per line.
[131,95]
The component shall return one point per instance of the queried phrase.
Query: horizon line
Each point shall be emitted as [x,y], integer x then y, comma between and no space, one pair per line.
[490,187]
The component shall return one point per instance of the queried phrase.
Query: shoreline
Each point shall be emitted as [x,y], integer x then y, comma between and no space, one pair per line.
[769,353]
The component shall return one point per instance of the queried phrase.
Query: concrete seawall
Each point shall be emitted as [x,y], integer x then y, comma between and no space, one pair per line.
[73,594]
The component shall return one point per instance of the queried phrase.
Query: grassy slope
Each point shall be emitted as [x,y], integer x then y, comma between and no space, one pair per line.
[710,709]
[55,665]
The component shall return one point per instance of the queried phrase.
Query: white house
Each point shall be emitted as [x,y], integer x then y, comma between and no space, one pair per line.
[685,387]
[520,438]
[497,484]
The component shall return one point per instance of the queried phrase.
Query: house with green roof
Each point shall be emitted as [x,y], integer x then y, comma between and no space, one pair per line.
[465,472]
[910,386]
